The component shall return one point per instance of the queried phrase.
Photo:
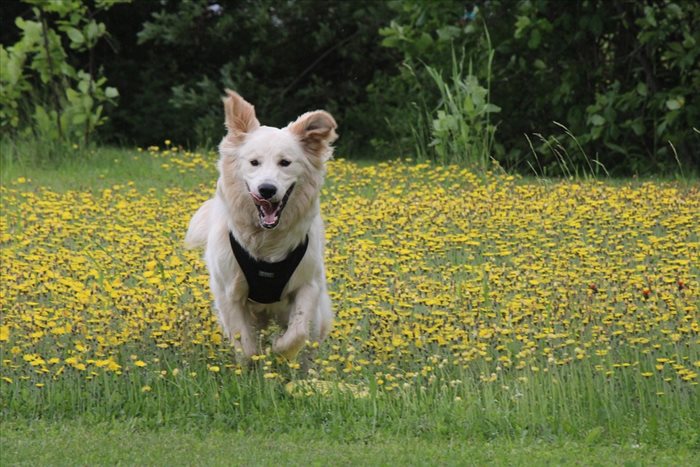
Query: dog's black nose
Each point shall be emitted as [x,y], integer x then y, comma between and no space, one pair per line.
[267,190]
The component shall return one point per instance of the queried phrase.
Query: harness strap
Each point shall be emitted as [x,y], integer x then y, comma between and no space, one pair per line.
[266,281]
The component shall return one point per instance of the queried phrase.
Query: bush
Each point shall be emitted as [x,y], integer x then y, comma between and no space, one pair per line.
[43,97]
[620,76]
[285,57]
[460,127]
[600,85]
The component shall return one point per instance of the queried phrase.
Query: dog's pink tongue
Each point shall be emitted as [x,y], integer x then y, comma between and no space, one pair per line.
[268,209]
[268,213]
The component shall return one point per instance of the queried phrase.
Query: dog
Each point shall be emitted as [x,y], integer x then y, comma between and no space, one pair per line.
[262,231]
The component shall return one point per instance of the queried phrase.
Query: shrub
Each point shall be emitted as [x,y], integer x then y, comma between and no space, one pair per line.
[43,97]
[619,76]
[460,127]
[287,57]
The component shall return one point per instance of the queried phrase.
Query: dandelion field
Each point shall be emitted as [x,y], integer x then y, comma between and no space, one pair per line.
[466,306]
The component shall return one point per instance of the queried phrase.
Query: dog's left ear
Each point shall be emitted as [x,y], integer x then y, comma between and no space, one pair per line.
[316,131]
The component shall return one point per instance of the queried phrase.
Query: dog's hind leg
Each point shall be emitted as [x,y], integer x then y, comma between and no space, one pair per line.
[198,230]
[319,328]
[323,322]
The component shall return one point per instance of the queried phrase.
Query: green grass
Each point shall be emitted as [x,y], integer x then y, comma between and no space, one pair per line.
[570,416]
[102,167]
[75,443]
[572,412]
[569,405]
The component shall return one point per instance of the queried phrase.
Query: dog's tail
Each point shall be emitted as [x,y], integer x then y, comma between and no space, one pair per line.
[198,230]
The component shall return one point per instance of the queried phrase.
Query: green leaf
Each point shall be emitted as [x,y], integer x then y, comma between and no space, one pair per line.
[638,127]
[617,148]
[79,119]
[64,8]
[492,108]
[642,89]
[661,127]
[688,41]
[468,105]
[675,103]
[83,86]
[111,92]
[391,41]
[535,39]
[594,435]
[87,103]
[447,33]
[597,119]
[674,11]
[12,64]
[107,4]
[521,24]
[75,36]
[67,70]
[45,122]
[92,32]
[424,42]
[31,31]
[649,15]
[478,98]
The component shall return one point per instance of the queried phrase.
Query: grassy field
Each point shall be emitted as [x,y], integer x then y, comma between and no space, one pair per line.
[85,445]
[480,319]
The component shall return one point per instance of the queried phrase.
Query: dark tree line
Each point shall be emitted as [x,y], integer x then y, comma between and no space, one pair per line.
[611,81]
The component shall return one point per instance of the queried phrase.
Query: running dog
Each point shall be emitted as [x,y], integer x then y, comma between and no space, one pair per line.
[262,231]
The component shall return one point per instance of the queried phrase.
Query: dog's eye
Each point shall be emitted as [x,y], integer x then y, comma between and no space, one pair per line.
[254,163]
[285,163]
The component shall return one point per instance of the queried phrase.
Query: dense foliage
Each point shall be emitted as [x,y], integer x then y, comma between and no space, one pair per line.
[621,76]
[583,85]
[43,95]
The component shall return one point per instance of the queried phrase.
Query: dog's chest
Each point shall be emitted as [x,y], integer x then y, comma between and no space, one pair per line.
[267,281]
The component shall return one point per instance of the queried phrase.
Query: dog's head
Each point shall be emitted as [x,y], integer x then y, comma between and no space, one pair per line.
[273,163]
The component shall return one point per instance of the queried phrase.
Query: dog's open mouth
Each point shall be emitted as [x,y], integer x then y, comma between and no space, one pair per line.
[269,211]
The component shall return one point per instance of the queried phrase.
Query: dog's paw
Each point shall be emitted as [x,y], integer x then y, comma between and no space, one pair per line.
[289,344]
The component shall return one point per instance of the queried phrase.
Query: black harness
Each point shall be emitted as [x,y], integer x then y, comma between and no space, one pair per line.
[266,281]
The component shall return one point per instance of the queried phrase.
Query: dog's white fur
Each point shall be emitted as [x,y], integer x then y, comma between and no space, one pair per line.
[304,311]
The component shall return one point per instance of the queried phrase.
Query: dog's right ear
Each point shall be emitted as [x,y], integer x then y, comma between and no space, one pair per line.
[240,117]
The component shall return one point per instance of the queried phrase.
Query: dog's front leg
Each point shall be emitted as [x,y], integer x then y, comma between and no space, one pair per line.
[305,303]
[235,323]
